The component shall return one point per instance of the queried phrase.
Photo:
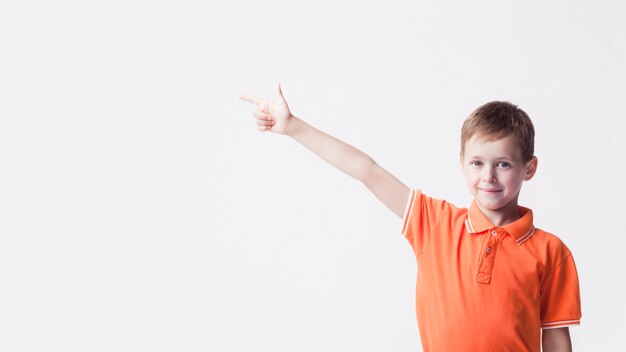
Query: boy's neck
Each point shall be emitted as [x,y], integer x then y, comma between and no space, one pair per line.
[502,216]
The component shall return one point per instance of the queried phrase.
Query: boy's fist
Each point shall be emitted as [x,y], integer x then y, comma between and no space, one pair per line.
[271,115]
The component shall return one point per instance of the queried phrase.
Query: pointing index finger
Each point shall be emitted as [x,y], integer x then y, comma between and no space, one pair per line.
[251,99]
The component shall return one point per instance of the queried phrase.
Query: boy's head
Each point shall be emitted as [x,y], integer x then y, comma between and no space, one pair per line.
[496,120]
[497,142]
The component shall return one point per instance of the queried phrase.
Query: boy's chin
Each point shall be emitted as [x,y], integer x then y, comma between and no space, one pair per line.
[494,205]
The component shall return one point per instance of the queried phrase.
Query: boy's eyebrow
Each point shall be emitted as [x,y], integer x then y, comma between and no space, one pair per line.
[497,158]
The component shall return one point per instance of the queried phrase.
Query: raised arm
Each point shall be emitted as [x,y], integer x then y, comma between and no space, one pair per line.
[275,116]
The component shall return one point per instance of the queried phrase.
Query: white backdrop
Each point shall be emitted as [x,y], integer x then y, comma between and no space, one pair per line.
[140,209]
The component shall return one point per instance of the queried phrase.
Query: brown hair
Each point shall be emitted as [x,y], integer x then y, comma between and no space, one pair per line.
[500,119]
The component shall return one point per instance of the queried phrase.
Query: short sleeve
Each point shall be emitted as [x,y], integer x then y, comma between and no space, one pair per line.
[560,296]
[420,217]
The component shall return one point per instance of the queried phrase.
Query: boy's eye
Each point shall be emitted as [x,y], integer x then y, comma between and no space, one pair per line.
[476,163]
[503,164]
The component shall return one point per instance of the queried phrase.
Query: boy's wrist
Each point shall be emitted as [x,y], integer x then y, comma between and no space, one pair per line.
[294,126]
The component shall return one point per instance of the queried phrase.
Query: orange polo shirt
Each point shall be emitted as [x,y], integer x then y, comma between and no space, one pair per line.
[482,287]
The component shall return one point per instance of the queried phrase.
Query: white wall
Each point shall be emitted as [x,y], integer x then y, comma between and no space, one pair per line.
[141,210]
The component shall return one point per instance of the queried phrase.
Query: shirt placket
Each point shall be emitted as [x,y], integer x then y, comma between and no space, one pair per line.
[488,256]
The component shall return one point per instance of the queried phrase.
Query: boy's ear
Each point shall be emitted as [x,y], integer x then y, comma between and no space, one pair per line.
[531,168]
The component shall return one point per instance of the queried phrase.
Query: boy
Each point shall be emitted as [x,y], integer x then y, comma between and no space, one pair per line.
[488,280]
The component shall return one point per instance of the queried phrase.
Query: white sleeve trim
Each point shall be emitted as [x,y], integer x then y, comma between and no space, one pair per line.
[408,211]
[559,324]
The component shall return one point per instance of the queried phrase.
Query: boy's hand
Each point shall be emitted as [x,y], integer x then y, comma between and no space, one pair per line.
[271,115]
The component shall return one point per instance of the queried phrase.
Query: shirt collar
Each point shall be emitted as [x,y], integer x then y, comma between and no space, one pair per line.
[521,229]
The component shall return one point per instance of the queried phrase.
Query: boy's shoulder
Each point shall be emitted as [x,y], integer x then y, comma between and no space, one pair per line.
[549,246]
[547,239]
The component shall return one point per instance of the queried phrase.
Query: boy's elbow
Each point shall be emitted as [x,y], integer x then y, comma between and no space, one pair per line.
[366,168]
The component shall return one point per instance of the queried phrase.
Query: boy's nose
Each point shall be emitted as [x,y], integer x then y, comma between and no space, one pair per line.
[489,176]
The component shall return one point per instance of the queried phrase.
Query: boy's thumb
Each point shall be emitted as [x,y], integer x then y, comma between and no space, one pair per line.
[279,91]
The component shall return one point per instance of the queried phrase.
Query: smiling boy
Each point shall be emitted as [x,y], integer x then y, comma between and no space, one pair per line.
[488,279]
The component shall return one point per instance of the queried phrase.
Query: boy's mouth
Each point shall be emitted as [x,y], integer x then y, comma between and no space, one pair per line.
[491,191]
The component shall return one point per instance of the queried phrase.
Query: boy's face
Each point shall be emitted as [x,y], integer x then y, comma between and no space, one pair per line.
[494,172]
